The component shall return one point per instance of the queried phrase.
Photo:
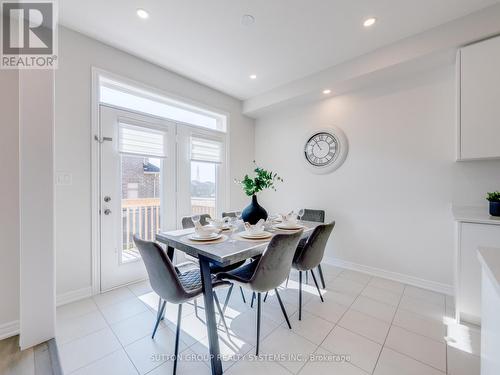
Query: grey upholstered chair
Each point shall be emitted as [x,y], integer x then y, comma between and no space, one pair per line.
[172,286]
[310,255]
[317,216]
[266,273]
[187,222]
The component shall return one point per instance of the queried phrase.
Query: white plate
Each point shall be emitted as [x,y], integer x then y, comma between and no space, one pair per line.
[259,236]
[212,237]
[289,226]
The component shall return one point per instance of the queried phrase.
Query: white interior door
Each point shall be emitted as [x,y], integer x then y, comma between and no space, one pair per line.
[137,189]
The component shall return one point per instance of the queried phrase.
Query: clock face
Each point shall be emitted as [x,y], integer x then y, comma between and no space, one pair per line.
[321,149]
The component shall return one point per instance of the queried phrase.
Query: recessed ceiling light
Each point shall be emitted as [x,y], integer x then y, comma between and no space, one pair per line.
[247,20]
[253,76]
[141,13]
[327,91]
[369,22]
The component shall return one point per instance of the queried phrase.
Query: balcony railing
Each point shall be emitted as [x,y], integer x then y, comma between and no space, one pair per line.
[142,216]
[203,206]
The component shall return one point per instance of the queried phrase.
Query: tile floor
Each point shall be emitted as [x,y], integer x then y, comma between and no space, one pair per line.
[366,325]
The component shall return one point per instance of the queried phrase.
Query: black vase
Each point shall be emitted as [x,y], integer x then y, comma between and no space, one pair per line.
[495,208]
[253,212]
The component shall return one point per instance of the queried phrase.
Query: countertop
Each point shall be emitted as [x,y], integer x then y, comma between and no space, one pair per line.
[468,214]
[489,257]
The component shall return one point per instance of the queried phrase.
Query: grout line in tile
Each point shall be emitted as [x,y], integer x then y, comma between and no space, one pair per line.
[352,364]
[416,359]
[117,339]
[93,361]
[345,312]
[390,326]
[417,333]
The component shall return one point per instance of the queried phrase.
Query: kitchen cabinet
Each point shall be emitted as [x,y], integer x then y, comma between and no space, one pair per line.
[479,100]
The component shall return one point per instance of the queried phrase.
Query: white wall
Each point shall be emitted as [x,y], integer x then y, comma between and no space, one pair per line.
[9,191]
[392,197]
[36,192]
[77,54]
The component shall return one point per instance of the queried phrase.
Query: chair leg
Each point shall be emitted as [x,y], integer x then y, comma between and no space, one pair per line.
[258,322]
[283,308]
[265,296]
[216,299]
[307,278]
[243,295]
[253,299]
[300,295]
[317,286]
[322,278]
[195,307]
[177,334]
[288,278]
[228,295]
[158,318]
[158,310]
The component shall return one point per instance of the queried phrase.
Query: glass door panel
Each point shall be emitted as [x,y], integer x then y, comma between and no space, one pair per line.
[141,201]
[203,188]
[138,161]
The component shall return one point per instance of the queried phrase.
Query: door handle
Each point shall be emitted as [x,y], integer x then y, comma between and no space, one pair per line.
[107,211]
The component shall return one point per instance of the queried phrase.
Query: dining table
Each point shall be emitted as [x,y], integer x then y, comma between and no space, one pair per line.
[230,250]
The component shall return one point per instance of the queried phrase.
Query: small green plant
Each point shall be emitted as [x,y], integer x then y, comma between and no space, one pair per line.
[493,197]
[263,180]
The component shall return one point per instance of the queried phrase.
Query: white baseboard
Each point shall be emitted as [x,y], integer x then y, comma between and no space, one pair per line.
[73,296]
[402,278]
[9,329]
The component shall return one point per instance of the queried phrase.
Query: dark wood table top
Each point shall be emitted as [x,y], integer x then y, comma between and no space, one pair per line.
[226,252]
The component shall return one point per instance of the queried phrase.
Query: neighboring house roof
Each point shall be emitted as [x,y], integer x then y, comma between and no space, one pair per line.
[150,168]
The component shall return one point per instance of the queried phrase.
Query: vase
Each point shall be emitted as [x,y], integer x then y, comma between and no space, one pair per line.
[495,208]
[253,212]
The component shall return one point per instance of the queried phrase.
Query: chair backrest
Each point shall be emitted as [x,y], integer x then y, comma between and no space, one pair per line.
[314,249]
[275,263]
[187,221]
[161,271]
[314,215]
[229,214]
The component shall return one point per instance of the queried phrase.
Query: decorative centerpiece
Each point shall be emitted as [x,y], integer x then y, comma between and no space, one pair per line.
[251,186]
[494,199]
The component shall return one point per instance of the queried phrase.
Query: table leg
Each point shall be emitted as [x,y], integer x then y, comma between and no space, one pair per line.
[213,337]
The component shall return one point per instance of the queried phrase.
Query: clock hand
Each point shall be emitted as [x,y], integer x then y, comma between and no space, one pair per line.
[319,146]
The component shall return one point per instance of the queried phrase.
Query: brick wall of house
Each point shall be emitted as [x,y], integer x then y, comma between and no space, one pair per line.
[135,182]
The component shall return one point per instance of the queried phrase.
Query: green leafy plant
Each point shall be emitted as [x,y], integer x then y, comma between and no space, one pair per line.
[493,197]
[263,180]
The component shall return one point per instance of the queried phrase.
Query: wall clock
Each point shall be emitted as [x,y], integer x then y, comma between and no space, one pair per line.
[325,149]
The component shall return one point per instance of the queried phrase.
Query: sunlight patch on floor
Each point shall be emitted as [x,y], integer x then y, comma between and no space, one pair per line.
[458,335]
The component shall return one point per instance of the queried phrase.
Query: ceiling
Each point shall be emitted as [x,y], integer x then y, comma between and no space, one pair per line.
[290,39]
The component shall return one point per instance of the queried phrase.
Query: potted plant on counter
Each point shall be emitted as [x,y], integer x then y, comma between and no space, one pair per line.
[251,186]
[494,199]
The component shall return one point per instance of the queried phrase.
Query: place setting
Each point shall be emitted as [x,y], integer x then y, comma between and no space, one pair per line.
[290,222]
[211,233]
[255,232]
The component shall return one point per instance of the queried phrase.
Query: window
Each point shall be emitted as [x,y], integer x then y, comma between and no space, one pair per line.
[132,98]
[183,145]
[203,188]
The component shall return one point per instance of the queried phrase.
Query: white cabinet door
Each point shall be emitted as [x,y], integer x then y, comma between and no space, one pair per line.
[480,100]
[473,236]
